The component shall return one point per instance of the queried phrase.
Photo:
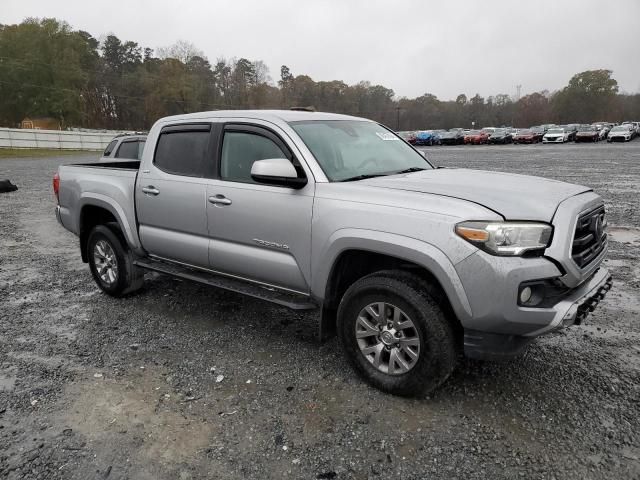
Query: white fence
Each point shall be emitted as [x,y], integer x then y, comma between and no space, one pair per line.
[54,139]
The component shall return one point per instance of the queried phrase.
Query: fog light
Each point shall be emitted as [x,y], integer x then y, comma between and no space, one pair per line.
[525,294]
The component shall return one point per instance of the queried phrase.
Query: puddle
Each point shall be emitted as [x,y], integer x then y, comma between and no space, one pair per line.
[624,234]
[54,361]
[104,409]
[65,332]
[610,333]
[615,263]
[7,380]
[620,299]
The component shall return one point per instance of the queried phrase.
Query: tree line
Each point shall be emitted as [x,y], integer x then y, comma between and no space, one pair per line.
[48,69]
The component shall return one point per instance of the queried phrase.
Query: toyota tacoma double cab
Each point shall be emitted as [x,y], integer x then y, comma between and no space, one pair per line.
[411,265]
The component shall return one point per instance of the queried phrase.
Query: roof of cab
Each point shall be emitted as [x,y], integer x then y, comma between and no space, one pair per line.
[268,115]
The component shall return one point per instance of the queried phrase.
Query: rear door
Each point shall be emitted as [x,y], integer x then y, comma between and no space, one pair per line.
[171,194]
[258,232]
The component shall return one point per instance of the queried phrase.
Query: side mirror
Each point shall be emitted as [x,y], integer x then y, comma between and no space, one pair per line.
[277,171]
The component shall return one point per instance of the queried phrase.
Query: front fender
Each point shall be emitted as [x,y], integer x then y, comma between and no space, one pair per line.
[406,248]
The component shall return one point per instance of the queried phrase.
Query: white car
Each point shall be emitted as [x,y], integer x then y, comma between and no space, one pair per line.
[602,129]
[620,133]
[555,135]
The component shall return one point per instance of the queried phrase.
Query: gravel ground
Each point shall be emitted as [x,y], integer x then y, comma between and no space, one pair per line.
[185,382]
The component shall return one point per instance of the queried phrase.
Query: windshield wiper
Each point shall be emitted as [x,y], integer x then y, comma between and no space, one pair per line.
[410,170]
[364,177]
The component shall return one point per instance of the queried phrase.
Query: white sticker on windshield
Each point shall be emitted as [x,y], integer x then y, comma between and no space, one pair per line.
[387,136]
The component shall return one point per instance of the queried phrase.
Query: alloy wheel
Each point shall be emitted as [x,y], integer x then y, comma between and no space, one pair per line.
[387,338]
[105,261]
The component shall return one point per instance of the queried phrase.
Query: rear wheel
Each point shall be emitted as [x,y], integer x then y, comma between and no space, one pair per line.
[395,333]
[111,263]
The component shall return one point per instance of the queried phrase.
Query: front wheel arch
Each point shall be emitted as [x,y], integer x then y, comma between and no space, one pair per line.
[353,264]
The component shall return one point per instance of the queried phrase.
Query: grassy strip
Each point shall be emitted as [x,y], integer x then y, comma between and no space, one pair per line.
[39,152]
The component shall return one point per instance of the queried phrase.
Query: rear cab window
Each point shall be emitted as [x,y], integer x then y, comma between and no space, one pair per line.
[110,147]
[128,149]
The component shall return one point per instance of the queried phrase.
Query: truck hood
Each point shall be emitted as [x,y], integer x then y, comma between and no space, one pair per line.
[515,197]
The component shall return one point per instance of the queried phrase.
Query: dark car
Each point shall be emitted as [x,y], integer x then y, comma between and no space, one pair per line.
[527,136]
[587,133]
[501,135]
[571,131]
[452,137]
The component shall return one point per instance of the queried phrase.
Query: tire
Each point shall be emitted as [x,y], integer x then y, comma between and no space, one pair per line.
[418,301]
[106,248]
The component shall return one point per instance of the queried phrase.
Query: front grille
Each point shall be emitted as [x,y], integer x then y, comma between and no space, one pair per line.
[590,237]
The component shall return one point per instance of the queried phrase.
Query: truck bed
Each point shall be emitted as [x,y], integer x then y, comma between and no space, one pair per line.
[110,185]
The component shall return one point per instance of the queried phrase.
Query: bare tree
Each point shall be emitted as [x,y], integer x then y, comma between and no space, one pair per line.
[181,50]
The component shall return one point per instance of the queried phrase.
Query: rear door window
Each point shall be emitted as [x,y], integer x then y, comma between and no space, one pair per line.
[128,149]
[182,151]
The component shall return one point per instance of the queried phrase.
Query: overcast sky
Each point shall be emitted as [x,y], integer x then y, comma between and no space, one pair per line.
[414,47]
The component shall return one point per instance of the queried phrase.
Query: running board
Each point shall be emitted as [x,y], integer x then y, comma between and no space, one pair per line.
[286,299]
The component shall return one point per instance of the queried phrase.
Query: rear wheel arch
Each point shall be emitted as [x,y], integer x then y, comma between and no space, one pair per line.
[92,216]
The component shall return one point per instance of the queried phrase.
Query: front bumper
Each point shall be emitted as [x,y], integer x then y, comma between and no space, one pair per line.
[572,309]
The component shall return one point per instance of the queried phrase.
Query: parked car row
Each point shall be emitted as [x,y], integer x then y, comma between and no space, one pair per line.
[548,133]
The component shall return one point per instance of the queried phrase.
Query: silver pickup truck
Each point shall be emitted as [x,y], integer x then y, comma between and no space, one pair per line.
[411,265]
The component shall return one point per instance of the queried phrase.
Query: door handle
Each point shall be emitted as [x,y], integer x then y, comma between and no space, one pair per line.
[150,190]
[219,200]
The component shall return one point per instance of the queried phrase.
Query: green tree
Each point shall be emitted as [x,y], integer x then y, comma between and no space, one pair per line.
[588,97]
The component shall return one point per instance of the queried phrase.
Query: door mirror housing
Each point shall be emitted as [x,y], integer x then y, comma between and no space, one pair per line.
[277,171]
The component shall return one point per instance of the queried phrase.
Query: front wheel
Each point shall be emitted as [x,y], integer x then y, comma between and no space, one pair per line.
[111,263]
[395,333]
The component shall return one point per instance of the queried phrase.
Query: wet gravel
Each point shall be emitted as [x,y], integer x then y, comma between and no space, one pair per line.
[185,382]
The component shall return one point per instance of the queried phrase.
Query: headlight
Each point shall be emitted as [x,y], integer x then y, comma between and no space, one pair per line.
[506,238]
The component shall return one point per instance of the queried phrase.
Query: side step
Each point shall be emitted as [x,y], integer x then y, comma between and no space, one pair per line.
[286,299]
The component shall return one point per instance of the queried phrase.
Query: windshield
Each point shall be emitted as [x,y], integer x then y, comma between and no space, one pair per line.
[620,128]
[525,132]
[499,132]
[350,148]
[586,129]
[555,130]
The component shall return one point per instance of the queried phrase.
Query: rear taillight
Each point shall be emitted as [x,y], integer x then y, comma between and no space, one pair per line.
[56,186]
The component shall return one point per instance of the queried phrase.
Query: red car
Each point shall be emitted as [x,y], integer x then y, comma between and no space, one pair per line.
[476,137]
[410,137]
[527,136]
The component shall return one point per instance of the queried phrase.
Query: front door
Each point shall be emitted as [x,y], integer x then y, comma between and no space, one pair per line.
[258,232]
